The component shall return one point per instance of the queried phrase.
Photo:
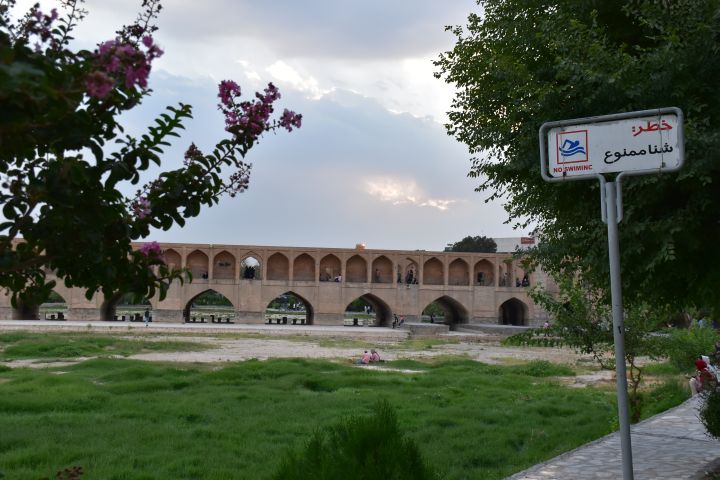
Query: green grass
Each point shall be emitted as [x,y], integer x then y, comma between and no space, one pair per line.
[23,345]
[124,419]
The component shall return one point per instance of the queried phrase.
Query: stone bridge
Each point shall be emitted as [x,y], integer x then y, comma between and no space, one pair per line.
[472,288]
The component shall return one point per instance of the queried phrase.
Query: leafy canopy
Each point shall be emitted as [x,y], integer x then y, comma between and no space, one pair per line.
[475,244]
[520,63]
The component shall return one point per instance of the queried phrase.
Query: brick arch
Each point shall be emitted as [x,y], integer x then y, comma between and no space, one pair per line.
[356,270]
[382,270]
[108,308]
[383,312]
[172,258]
[330,268]
[256,270]
[304,268]
[513,312]
[224,265]
[278,267]
[198,264]
[433,272]
[189,303]
[309,309]
[458,272]
[455,312]
[484,273]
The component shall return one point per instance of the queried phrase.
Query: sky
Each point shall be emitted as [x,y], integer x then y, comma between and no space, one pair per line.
[372,162]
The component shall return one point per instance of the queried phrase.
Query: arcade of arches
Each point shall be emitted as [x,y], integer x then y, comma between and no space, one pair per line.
[467,288]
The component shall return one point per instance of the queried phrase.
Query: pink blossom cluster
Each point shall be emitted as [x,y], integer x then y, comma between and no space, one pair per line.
[141,207]
[152,249]
[121,61]
[290,119]
[250,118]
[192,154]
[41,25]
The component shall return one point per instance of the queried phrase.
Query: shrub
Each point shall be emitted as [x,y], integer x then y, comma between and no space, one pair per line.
[682,346]
[359,448]
[710,412]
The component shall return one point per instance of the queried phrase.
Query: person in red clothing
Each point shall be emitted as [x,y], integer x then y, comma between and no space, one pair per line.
[702,376]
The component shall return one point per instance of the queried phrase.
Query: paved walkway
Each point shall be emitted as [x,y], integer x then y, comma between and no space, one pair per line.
[669,446]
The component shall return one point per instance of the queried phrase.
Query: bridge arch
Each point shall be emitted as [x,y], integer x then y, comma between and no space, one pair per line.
[251,267]
[278,267]
[304,268]
[383,312]
[330,268]
[433,272]
[455,312]
[484,273]
[382,270]
[356,270]
[309,310]
[53,307]
[458,272]
[172,259]
[513,312]
[224,266]
[198,263]
[222,300]
[109,307]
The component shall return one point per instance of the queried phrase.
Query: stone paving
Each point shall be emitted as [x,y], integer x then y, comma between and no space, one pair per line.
[672,445]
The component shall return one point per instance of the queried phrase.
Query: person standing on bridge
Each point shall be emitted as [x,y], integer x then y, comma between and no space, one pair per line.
[146,316]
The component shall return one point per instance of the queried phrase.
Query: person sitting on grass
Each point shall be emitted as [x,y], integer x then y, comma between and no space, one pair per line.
[365,359]
[374,356]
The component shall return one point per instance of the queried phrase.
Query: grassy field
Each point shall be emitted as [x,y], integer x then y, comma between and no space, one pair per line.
[122,419]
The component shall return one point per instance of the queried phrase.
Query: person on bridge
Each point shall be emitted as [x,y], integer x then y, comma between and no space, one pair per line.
[146,316]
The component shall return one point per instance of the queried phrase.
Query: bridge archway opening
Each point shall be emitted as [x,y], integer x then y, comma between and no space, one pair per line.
[172,259]
[290,308]
[368,309]
[330,268]
[408,272]
[304,268]
[382,270]
[125,307]
[433,272]
[458,272]
[54,308]
[513,312]
[224,266]
[356,270]
[445,310]
[208,306]
[484,275]
[198,264]
[278,267]
[250,268]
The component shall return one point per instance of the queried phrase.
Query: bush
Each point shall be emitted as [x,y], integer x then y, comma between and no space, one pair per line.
[710,412]
[359,448]
[683,346]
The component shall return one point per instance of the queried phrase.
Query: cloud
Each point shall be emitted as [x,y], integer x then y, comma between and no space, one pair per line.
[287,75]
[402,192]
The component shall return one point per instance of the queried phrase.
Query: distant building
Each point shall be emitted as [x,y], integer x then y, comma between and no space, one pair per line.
[511,244]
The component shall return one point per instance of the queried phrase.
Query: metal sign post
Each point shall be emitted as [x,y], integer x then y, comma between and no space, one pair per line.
[632,143]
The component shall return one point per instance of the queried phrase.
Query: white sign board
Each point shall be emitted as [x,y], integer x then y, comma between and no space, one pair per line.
[644,143]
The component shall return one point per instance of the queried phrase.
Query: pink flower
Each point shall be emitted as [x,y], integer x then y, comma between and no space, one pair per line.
[98,85]
[227,90]
[152,249]
[141,207]
[290,119]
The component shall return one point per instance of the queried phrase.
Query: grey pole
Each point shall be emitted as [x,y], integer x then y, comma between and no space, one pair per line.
[611,206]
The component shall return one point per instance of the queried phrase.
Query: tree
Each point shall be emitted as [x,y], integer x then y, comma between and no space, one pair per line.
[64,157]
[523,62]
[475,244]
[583,320]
